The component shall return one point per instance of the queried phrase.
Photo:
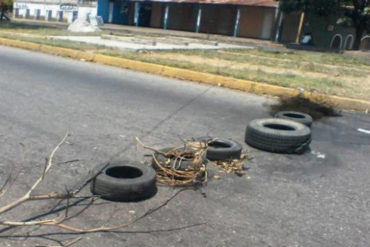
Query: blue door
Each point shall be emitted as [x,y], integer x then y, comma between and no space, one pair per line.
[103,10]
[120,12]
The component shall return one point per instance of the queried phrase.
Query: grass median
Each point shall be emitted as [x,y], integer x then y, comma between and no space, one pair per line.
[329,73]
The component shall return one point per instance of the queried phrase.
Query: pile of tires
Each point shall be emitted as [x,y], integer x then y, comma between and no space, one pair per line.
[278,135]
[288,132]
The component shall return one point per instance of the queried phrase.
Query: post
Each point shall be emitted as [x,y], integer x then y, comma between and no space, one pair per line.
[26,13]
[279,26]
[60,15]
[48,15]
[236,25]
[137,12]
[37,14]
[16,12]
[299,32]
[165,21]
[199,18]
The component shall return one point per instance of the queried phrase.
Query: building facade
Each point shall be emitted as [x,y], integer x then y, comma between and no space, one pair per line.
[54,10]
[328,34]
[243,18]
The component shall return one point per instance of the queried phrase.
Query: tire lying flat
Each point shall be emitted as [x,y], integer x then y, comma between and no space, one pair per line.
[278,135]
[299,117]
[124,182]
[223,150]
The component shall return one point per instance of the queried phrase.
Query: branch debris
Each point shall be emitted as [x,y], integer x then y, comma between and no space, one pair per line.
[169,169]
[61,221]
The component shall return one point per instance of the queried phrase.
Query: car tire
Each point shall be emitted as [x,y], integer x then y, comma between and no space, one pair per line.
[125,182]
[299,117]
[278,135]
[223,150]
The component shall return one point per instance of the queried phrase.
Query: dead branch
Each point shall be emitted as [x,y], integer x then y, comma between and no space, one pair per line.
[169,172]
[58,221]
[65,243]
[147,147]
[194,174]
[8,181]
[26,196]
[5,186]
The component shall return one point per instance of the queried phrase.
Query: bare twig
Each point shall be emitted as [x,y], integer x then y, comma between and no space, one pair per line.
[58,221]
[26,196]
[8,181]
[147,147]
[66,243]
[5,186]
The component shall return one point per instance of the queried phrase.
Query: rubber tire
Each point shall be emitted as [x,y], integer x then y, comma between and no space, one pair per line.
[125,189]
[183,165]
[303,119]
[232,151]
[275,140]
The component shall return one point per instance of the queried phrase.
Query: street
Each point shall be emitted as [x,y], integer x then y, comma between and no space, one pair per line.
[320,198]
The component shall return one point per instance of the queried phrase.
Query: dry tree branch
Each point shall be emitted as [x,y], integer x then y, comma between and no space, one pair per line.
[26,196]
[147,147]
[8,181]
[172,175]
[65,243]
[58,221]
[119,226]
[5,186]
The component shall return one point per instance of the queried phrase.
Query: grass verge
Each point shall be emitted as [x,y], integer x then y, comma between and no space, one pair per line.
[328,73]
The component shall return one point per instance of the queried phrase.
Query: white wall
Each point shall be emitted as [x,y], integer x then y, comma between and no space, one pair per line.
[82,11]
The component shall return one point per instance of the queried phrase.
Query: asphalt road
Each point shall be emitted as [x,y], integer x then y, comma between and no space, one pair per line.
[320,198]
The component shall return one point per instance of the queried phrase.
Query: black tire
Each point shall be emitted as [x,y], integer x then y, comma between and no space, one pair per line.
[278,135]
[299,117]
[125,182]
[223,150]
[177,164]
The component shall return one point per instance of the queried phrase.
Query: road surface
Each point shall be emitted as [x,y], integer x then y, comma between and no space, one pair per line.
[321,198]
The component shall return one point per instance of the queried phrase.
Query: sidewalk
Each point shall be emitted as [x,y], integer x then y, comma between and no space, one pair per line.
[161,32]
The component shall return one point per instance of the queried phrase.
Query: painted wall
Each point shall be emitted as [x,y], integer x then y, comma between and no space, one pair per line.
[157,15]
[182,17]
[218,19]
[257,22]
[54,8]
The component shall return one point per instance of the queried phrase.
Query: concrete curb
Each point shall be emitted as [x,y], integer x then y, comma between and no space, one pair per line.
[184,74]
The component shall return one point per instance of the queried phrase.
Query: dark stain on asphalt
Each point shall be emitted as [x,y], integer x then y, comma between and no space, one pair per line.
[317,111]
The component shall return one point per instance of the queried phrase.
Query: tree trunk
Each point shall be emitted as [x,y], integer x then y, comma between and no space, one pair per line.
[360,29]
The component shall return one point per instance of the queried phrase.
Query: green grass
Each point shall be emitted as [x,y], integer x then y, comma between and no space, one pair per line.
[284,79]
[277,66]
[289,60]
